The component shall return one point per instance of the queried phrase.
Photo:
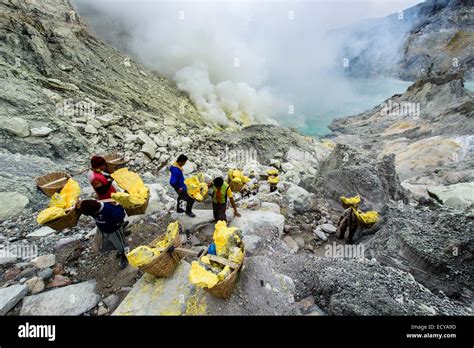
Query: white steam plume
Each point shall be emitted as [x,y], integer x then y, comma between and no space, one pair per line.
[241,61]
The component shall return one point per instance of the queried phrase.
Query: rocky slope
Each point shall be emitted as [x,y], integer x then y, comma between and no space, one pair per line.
[67,95]
[432,37]
[430,130]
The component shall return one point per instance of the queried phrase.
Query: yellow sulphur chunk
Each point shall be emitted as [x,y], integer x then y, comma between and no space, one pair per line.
[201,277]
[50,214]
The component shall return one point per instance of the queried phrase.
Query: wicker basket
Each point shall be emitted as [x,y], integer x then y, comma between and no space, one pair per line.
[139,209]
[114,162]
[224,288]
[164,265]
[68,221]
[50,190]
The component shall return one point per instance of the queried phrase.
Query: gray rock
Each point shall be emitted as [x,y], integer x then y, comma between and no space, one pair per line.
[10,296]
[69,300]
[298,198]
[266,225]
[320,234]
[44,261]
[35,285]
[41,131]
[149,149]
[291,244]
[433,244]
[112,302]
[46,274]
[328,228]
[251,242]
[350,287]
[176,296]
[15,125]
[11,204]
[64,242]
[459,196]
[40,233]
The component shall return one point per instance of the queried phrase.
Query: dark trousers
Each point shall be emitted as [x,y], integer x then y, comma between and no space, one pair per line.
[348,221]
[219,211]
[183,196]
[115,240]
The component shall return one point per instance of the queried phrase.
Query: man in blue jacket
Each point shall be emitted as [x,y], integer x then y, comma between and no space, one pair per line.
[109,218]
[177,182]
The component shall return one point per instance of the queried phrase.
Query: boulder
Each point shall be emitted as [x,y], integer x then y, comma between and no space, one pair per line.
[10,296]
[252,243]
[291,244]
[272,207]
[149,149]
[40,233]
[265,224]
[70,300]
[35,285]
[41,131]
[16,126]
[349,171]
[11,204]
[260,290]
[328,228]
[44,261]
[298,199]
[106,119]
[458,196]
[320,234]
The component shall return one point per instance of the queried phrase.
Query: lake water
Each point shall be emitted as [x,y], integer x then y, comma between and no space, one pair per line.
[364,95]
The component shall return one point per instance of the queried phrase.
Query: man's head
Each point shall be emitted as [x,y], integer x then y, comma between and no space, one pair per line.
[89,207]
[182,159]
[98,163]
[218,182]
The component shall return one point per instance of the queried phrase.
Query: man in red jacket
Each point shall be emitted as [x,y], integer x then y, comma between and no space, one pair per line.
[100,179]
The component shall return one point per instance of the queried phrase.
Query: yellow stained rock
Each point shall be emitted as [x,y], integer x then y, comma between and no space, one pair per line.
[201,277]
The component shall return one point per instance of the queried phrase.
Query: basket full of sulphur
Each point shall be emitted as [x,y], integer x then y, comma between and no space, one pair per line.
[237,180]
[197,187]
[136,196]
[217,274]
[62,212]
[157,257]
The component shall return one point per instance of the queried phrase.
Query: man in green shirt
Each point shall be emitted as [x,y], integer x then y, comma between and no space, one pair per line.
[220,192]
